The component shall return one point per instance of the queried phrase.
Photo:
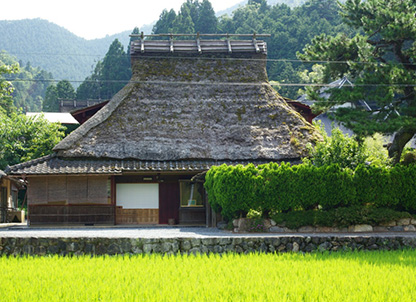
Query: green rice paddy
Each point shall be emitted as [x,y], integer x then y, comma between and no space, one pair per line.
[354,276]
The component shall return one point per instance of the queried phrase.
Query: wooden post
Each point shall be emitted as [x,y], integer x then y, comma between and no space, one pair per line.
[113,196]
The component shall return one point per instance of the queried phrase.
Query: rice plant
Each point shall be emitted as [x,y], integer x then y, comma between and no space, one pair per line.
[355,276]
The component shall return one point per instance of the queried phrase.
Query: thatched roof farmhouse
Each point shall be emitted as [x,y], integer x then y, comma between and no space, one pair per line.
[190,104]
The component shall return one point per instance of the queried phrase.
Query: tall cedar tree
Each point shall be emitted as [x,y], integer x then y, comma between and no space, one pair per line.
[380,61]
[54,94]
[109,76]
[116,71]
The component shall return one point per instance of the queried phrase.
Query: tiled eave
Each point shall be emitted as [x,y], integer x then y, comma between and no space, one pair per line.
[53,165]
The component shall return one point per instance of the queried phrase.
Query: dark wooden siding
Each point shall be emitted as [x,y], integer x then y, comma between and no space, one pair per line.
[169,202]
[70,200]
[74,214]
[68,190]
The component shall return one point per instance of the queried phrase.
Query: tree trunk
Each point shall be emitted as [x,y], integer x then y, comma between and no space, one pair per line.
[401,138]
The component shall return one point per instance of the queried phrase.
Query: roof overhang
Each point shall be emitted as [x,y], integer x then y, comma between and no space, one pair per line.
[53,165]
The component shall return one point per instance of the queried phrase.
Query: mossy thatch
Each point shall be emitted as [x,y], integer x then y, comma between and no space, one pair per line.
[193,107]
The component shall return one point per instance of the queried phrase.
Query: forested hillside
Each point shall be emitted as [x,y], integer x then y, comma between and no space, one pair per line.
[30,83]
[53,48]
[67,57]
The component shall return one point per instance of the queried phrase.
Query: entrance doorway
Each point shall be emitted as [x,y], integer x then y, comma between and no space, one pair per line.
[137,203]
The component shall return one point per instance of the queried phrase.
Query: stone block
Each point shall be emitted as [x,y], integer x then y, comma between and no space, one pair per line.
[243,224]
[113,249]
[195,251]
[267,223]
[323,229]
[306,229]
[403,221]
[295,247]
[409,228]
[272,222]
[222,225]
[359,228]
[147,248]
[325,246]
[218,249]
[237,241]
[136,250]
[186,245]
[195,242]
[398,228]
[166,247]
[276,229]
[125,246]
[224,241]
[380,229]
[28,249]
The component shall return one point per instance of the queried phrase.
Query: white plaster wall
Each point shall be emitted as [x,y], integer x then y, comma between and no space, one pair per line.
[137,196]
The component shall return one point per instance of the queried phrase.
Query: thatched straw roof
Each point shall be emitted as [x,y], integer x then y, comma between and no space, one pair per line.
[181,106]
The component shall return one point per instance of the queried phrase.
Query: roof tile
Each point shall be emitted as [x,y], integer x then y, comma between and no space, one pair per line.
[51,164]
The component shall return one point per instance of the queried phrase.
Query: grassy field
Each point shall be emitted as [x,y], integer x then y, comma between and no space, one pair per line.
[355,276]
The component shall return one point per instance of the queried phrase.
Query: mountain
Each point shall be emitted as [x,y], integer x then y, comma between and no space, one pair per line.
[67,56]
[55,49]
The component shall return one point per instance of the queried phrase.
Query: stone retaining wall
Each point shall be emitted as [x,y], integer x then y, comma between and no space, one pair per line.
[113,246]
[242,225]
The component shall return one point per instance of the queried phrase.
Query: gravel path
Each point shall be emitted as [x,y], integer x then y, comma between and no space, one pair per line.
[160,232]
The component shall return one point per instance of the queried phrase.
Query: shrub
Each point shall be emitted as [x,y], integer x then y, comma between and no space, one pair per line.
[232,190]
[274,188]
[339,148]
[340,217]
[409,157]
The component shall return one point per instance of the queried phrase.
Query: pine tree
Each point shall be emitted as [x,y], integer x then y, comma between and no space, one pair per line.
[380,60]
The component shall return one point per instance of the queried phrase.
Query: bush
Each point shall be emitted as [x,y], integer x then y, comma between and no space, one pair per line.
[409,157]
[340,217]
[339,148]
[274,188]
[233,190]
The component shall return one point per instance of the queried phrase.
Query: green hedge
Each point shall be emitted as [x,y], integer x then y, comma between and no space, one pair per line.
[274,188]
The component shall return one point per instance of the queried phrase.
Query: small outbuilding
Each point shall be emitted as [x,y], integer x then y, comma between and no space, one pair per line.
[9,189]
[190,105]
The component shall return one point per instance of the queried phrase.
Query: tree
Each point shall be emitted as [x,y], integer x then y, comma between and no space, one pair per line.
[115,71]
[65,90]
[24,138]
[380,60]
[54,94]
[51,103]
[183,23]
[345,151]
[90,89]
[6,88]
[207,21]
[164,24]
